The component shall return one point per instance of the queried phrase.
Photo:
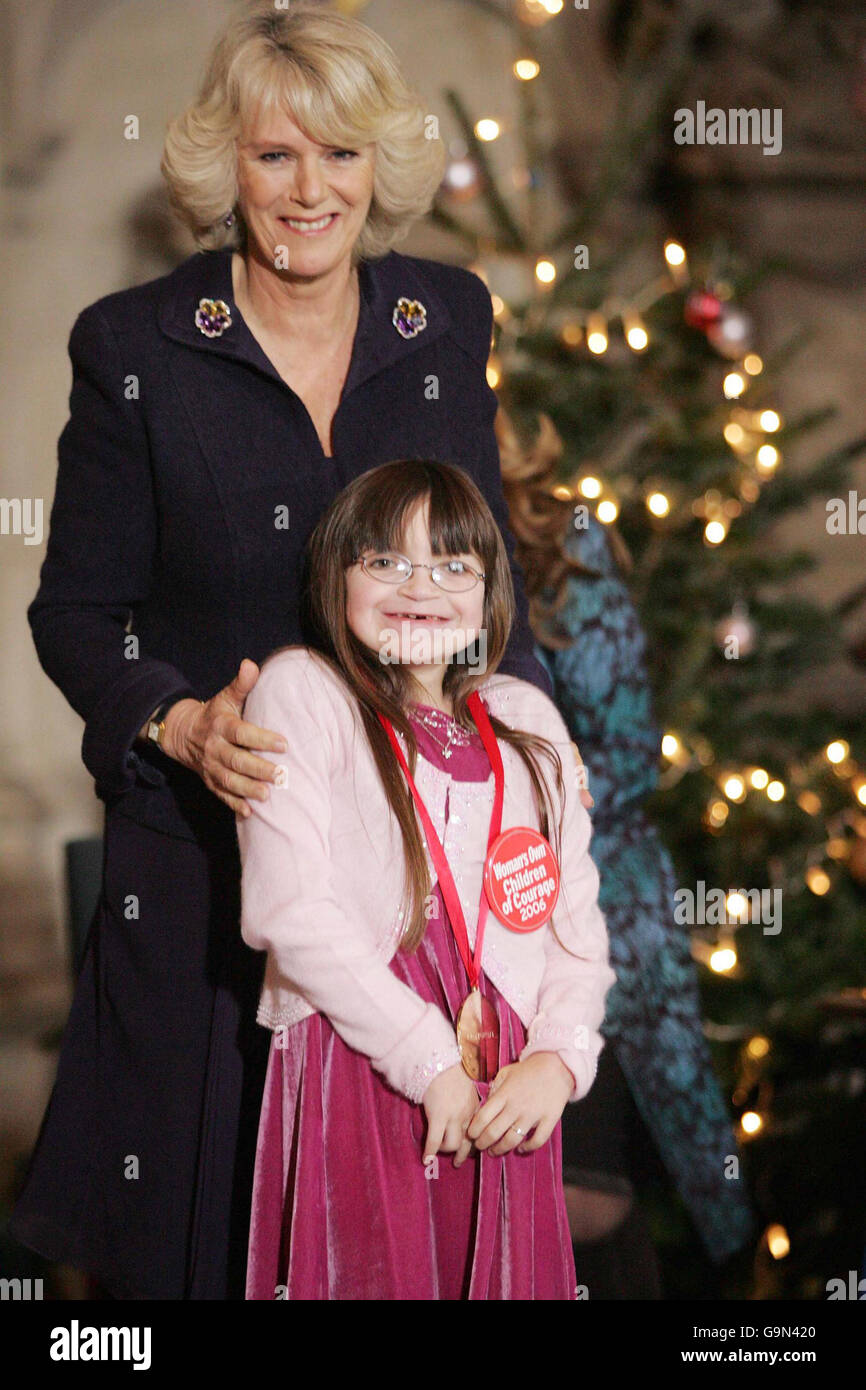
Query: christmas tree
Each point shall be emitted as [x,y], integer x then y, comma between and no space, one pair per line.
[641,354]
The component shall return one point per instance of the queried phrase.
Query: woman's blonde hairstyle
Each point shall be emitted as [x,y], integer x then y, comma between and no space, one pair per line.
[341,84]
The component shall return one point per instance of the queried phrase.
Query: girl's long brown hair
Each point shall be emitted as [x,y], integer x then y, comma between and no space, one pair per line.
[371,514]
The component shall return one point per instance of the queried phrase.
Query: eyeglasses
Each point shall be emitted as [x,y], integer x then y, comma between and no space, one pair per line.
[455,576]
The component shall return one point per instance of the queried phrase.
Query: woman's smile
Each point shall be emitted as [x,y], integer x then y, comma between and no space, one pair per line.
[310,226]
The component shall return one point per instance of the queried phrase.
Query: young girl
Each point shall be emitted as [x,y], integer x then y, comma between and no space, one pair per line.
[415,1022]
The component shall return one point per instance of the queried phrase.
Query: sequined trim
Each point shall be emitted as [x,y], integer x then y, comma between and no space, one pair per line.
[421,1076]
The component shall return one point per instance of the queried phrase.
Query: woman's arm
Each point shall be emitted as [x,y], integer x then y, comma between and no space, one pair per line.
[291,908]
[98,563]
[571,999]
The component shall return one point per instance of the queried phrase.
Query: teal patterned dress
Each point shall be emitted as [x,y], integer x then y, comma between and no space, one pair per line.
[653,1019]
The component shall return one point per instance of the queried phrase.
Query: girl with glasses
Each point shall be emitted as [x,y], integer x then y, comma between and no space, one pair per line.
[428,1031]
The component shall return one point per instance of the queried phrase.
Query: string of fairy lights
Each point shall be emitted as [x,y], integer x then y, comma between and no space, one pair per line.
[620,325]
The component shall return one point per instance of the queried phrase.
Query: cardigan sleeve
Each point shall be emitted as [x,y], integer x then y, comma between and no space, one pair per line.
[519,659]
[289,905]
[577,973]
[102,537]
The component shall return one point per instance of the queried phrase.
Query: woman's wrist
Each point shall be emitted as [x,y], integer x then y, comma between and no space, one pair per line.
[175,719]
[169,717]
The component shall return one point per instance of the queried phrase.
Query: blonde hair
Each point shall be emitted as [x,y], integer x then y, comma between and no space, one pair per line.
[341,84]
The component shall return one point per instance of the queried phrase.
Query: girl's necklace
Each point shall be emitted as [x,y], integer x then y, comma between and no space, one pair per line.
[453,732]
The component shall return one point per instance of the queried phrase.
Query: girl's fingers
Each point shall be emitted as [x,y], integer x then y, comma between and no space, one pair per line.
[433,1142]
[543,1131]
[510,1139]
[485,1115]
[499,1127]
[463,1151]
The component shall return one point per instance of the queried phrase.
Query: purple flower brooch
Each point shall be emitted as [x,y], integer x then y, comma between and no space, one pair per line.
[409,317]
[213,317]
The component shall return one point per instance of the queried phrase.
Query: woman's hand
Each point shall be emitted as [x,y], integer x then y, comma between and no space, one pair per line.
[450,1101]
[585,797]
[210,739]
[529,1094]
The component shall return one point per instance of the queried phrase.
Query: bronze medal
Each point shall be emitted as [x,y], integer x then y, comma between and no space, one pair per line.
[478,1037]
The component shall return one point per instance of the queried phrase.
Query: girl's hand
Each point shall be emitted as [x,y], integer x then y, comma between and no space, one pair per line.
[210,739]
[529,1094]
[450,1101]
[585,797]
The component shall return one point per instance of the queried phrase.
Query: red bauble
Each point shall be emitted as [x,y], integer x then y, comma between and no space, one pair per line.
[702,310]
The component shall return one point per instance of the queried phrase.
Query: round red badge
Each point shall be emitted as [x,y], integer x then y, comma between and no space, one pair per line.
[521,878]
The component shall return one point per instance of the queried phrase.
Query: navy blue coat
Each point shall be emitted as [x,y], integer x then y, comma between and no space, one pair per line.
[164,506]
[178,449]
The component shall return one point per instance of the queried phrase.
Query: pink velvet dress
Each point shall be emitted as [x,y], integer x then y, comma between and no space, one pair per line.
[343,1206]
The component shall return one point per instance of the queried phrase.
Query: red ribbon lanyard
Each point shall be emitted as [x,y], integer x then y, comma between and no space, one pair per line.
[437,853]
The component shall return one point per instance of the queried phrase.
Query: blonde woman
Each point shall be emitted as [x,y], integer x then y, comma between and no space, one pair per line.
[214,415]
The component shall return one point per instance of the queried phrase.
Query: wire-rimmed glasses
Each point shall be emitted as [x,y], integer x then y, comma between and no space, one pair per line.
[453,575]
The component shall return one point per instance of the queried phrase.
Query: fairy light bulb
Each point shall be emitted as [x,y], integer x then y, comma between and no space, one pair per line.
[837,751]
[770,421]
[753,364]
[671,745]
[817,880]
[487,129]
[750,1121]
[526,69]
[545,272]
[734,385]
[596,334]
[758,1046]
[607,511]
[778,1243]
[734,434]
[860,793]
[658,504]
[809,802]
[589,487]
[768,456]
[674,253]
[723,959]
[759,778]
[776,791]
[734,788]
[736,905]
[715,532]
[718,813]
[635,332]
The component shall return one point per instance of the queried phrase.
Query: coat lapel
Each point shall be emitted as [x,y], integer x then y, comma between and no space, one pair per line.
[378,344]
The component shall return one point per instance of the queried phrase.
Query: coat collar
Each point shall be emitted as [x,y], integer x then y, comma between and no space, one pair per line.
[378,344]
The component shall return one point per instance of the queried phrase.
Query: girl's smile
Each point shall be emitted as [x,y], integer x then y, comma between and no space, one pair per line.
[416,622]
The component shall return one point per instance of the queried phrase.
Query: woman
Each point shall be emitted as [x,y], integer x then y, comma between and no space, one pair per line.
[215,413]
[655,1077]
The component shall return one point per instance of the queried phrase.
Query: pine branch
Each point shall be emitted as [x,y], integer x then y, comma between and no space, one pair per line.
[511,234]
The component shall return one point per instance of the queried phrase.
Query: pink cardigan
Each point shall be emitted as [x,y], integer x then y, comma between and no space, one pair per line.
[323,871]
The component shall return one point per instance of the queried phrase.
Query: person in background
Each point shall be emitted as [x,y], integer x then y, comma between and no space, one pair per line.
[655,1077]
